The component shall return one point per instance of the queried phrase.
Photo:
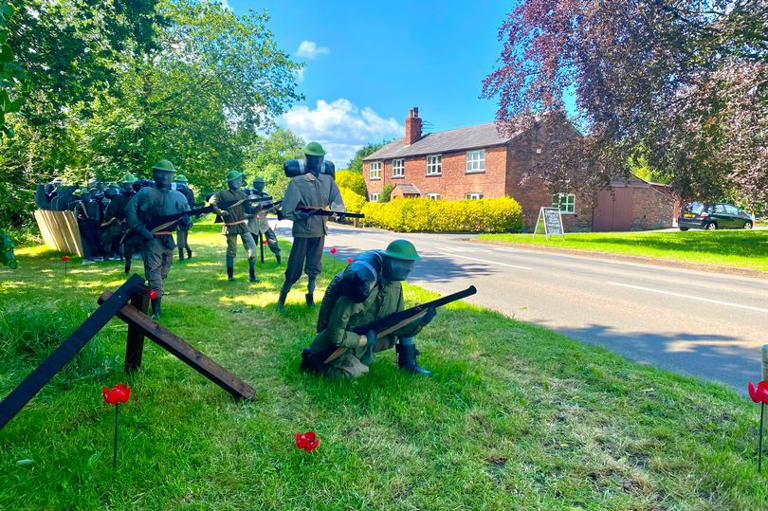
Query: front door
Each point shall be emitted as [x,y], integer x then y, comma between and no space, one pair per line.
[614,210]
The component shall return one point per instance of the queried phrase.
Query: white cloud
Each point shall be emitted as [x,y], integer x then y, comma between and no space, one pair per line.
[310,50]
[341,127]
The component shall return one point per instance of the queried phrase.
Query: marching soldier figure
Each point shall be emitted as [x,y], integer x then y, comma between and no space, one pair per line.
[346,308]
[88,213]
[149,204]
[116,210]
[310,189]
[257,222]
[182,231]
[235,222]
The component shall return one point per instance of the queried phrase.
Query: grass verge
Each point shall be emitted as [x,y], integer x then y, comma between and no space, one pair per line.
[739,249]
[517,417]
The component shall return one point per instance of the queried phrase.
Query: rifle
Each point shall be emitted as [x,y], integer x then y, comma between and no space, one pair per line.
[383,326]
[315,210]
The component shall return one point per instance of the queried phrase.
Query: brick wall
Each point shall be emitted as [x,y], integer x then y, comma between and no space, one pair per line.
[652,209]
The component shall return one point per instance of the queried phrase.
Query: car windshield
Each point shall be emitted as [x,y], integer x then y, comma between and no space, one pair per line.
[695,208]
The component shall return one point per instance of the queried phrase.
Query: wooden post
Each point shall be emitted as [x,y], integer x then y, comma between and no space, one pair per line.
[182,350]
[32,384]
[134,346]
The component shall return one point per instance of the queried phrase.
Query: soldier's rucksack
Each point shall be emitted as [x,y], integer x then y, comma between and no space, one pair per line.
[355,282]
[293,168]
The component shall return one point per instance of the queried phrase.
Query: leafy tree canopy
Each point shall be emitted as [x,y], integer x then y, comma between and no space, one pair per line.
[356,163]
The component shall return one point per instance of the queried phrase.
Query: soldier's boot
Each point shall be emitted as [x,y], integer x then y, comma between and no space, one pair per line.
[283,295]
[310,292]
[278,258]
[127,265]
[406,359]
[189,253]
[156,308]
[181,255]
[252,270]
[230,268]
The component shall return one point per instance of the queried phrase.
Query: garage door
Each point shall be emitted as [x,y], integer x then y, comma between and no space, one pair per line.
[614,210]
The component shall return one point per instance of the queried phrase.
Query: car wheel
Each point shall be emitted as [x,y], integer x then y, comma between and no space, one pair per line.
[711,226]
[747,225]
[683,228]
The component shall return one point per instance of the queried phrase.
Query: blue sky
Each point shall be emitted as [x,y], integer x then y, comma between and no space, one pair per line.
[368,63]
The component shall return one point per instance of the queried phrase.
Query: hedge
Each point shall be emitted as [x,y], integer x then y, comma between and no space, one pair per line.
[352,180]
[352,201]
[424,215]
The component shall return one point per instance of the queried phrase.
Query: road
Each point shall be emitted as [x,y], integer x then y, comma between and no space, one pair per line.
[703,324]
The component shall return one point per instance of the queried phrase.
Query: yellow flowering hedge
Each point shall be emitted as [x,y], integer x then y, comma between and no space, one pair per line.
[424,215]
[352,180]
[354,202]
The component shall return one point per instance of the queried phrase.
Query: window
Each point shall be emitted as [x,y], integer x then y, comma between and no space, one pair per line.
[565,201]
[731,210]
[473,196]
[398,168]
[476,161]
[433,196]
[374,197]
[375,168]
[434,165]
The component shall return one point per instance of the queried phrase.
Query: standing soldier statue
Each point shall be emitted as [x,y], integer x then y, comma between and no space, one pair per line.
[182,231]
[88,213]
[257,221]
[116,210]
[368,290]
[235,206]
[149,204]
[310,188]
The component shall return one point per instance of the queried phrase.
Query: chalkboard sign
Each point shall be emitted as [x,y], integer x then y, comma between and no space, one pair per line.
[550,221]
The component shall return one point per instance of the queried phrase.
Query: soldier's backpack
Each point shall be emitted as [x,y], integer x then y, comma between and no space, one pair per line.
[355,282]
[293,168]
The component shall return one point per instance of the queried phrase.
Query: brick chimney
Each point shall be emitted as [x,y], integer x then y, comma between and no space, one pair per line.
[412,126]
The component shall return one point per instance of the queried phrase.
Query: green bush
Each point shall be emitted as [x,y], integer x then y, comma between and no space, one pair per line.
[354,202]
[386,193]
[352,180]
[424,215]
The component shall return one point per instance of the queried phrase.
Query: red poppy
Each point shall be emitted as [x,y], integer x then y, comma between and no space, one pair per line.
[349,261]
[118,394]
[308,441]
[65,258]
[153,295]
[333,250]
[759,394]
[263,242]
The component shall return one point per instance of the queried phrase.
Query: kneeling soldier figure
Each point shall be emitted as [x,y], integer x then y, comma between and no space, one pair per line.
[368,290]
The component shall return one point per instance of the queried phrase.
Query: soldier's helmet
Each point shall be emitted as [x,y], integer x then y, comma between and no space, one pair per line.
[129,178]
[164,165]
[402,249]
[180,178]
[258,179]
[233,174]
[314,149]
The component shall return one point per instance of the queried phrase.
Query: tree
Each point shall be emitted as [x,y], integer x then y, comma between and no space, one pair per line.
[356,163]
[265,158]
[686,79]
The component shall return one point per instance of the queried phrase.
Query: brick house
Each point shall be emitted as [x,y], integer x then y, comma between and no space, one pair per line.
[477,162]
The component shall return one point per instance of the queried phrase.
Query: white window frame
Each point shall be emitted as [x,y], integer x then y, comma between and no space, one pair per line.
[475,161]
[374,197]
[473,196]
[374,170]
[398,168]
[435,165]
[433,196]
[567,206]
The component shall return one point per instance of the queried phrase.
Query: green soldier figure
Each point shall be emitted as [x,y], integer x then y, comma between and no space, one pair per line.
[257,222]
[88,213]
[310,189]
[116,210]
[382,295]
[182,231]
[110,224]
[235,223]
[148,204]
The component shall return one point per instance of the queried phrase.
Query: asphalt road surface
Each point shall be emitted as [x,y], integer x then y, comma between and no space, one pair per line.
[704,324]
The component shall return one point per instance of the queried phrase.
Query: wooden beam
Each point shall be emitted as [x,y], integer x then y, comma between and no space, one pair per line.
[32,384]
[183,350]
[134,346]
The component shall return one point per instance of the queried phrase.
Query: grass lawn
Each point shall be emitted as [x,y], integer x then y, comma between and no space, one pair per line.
[517,417]
[738,248]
